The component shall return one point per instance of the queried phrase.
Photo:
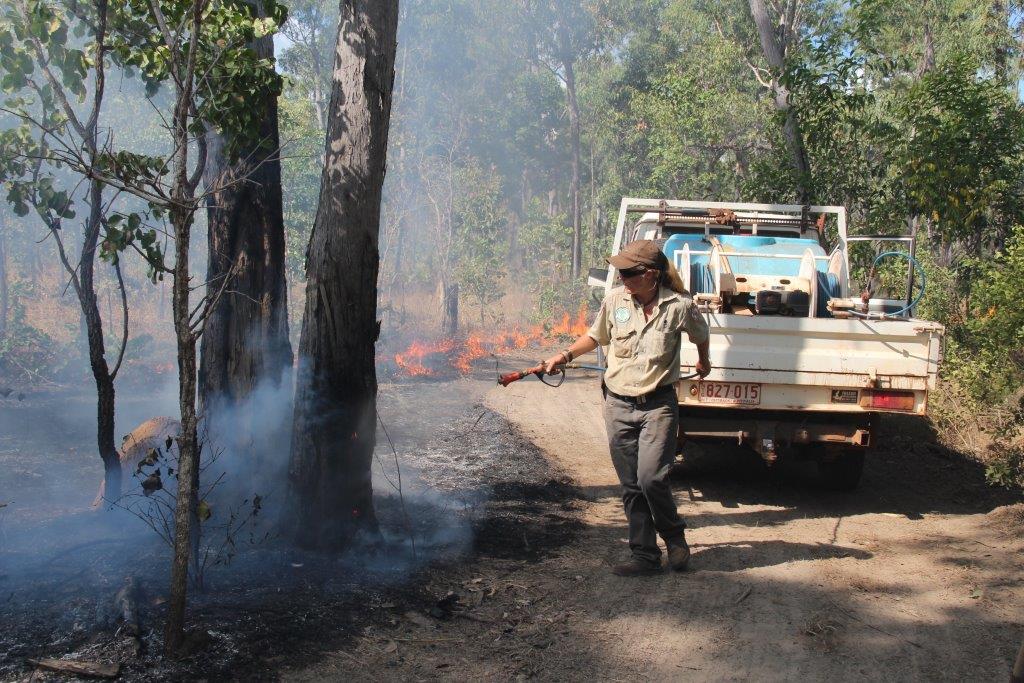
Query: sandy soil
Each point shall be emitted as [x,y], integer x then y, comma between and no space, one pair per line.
[915,576]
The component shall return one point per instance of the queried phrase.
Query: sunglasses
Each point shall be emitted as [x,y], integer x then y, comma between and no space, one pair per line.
[632,272]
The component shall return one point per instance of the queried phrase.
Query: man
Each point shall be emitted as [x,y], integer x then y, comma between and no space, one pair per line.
[642,323]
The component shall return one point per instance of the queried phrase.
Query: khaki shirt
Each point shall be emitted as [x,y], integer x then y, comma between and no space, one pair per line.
[644,354]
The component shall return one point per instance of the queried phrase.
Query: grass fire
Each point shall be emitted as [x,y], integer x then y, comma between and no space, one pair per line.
[444,357]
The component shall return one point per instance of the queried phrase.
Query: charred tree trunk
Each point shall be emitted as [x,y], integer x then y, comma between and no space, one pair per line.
[101,373]
[335,406]
[574,141]
[245,339]
[774,46]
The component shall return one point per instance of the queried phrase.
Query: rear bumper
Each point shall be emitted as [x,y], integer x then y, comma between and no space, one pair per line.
[775,432]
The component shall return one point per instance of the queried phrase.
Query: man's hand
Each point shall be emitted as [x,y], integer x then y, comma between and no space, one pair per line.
[551,364]
[703,367]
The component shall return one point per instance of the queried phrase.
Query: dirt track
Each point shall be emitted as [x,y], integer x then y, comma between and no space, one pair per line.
[915,576]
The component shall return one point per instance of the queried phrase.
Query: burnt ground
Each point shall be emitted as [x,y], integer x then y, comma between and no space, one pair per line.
[473,490]
[917,575]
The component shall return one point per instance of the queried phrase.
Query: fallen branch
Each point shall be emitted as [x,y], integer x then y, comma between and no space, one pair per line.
[86,669]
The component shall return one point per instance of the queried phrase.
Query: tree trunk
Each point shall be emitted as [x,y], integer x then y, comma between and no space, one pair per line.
[774,52]
[97,352]
[1017,673]
[188,446]
[927,52]
[449,307]
[335,406]
[574,189]
[181,215]
[4,301]
[245,339]
[1000,18]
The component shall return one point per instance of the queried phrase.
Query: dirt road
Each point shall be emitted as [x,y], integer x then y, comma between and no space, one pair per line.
[915,576]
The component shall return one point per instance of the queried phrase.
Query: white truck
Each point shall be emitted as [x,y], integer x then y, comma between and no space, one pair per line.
[801,368]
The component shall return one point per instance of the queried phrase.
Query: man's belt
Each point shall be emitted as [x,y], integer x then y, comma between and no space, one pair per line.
[643,398]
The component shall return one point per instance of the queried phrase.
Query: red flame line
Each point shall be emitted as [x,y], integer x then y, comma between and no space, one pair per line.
[460,354]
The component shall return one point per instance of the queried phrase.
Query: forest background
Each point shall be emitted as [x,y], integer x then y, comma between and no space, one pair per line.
[518,126]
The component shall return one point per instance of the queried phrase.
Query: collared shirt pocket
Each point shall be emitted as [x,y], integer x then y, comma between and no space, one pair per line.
[660,343]
[623,342]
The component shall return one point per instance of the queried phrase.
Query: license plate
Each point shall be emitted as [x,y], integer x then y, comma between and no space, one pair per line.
[735,393]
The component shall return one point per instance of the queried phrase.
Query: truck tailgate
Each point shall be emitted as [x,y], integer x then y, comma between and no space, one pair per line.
[800,363]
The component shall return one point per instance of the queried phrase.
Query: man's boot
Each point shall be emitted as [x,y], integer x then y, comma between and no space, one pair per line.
[678,556]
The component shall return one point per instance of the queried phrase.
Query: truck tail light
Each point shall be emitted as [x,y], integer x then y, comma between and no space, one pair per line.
[888,400]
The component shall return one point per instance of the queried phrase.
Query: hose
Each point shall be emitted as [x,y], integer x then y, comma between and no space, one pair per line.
[917,267]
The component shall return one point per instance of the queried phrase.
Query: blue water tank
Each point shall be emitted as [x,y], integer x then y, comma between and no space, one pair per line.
[751,244]
[700,274]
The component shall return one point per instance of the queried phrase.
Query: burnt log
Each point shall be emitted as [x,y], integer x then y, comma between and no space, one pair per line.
[155,433]
[78,668]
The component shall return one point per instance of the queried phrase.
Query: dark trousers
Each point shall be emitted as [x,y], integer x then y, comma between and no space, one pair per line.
[642,439]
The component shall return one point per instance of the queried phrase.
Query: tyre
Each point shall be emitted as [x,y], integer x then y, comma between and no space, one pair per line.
[841,471]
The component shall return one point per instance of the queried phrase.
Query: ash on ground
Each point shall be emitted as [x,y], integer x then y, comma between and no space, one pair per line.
[471,488]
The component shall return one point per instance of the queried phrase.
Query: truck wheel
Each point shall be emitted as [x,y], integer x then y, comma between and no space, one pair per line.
[842,472]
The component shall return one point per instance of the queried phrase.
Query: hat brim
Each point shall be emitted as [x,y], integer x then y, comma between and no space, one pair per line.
[622,261]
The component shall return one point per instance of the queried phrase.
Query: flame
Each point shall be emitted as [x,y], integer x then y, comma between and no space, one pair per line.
[572,328]
[411,360]
[461,354]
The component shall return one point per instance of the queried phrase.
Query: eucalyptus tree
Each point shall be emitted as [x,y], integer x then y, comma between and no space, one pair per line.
[201,50]
[245,341]
[778,29]
[335,404]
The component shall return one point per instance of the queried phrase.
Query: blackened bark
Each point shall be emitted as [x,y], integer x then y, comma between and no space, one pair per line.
[335,406]
[774,46]
[97,352]
[245,339]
